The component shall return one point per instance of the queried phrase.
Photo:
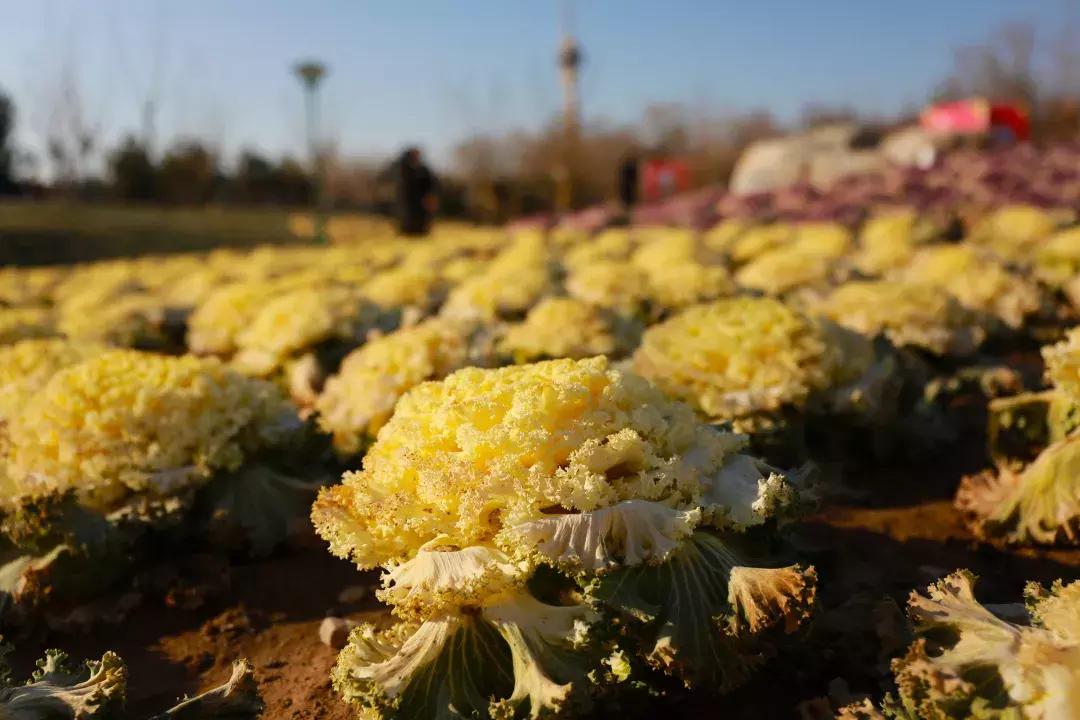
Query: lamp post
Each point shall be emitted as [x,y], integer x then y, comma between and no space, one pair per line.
[311,73]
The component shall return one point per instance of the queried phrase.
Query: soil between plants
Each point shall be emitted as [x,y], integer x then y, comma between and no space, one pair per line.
[891,530]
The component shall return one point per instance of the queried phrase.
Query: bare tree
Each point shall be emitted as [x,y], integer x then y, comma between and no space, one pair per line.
[64,122]
[71,135]
[143,76]
[666,126]
[1064,62]
[815,115]
[1003,68]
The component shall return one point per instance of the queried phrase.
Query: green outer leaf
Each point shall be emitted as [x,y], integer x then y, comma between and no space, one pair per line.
[514,657]
[61,693]
[474,666]
[685,602]
[63,573]
[263,505]
[549,662]
[1019,426]
[449,668]
[38,523]
[53,549]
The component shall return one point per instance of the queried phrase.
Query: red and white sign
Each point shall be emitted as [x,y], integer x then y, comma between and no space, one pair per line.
[663,178]
[964,117]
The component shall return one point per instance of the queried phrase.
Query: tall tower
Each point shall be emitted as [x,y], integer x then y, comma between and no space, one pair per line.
[569,63]
[570,58]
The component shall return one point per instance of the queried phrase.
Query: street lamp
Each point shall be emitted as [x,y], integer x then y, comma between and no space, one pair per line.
[311,73]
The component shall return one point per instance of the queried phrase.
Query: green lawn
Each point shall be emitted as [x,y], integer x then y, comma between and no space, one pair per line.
[40,233]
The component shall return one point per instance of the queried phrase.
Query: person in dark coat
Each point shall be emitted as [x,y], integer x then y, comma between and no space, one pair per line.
[417,189]
[628,181]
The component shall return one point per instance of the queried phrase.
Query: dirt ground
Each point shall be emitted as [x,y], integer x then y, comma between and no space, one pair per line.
[268,611]
[896,531]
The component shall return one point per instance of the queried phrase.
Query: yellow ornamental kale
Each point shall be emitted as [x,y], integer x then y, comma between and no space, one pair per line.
[736,357]
[1057,262]
[485,449]
[806,258]
[357,401]
[1012,232]
[492,295]
[507,287]
[96,689]
[968,663]
[90,284]
[1063,364]
[887,241]
[665,246]
[412,285]
[611,244]
[908,314]
[30,285]
[23,323]
[821,238]
[135,319]
[760,239]
[720,237]
[460,269]
[621,286]
[981,283]
[673,286]
[782,270]
[1054,414]
[1036,502]
[297,320]
[569,328]
[1039,503]
[188,285]
[124,421]
[26,366]
[478,481]
[224,314]
[112,302]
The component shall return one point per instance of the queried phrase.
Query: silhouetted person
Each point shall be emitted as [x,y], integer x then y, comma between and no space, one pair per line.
[628,181]
[417,197]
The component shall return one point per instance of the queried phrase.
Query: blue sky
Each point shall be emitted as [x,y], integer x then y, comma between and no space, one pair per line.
[435,71]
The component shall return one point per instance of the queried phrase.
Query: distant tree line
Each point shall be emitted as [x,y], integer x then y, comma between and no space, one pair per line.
[190,173]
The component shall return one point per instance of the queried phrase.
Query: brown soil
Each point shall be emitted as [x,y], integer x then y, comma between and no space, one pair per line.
[896,532]
[268,611]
